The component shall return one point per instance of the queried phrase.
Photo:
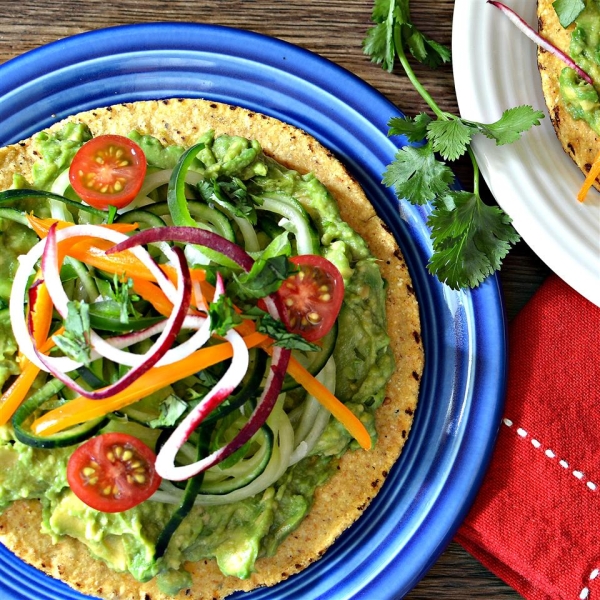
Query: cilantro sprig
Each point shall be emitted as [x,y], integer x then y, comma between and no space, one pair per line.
[470,239]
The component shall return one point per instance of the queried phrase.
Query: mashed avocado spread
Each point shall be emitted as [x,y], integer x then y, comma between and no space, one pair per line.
[581,98]
[237,533]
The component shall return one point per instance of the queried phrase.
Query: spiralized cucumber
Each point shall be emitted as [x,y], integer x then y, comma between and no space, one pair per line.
[57,209]
[314,418]
[290,446]
[155,180]
[283,434]
[298,220]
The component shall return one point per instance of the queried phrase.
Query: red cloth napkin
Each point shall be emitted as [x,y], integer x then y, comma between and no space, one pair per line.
[536,520]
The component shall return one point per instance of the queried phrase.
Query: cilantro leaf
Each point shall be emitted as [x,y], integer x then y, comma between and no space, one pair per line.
[231,194]
[379,46]
[568,10]
[450,138]
[75,341]
[511,124]
[426,50]
[417,175]
[394,26]
[470,239]
[283,338]
[223,316]
[119,293]
[171,408]
[264,278]
[381,10]
[379,41]
[415,129]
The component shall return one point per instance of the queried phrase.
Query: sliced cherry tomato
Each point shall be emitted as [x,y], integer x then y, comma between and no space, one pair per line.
[108,171]
[113,472]
[312,297]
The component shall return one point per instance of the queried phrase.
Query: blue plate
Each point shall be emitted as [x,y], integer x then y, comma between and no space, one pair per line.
[428,492]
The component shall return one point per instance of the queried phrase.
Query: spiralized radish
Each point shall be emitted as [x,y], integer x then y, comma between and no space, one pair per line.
[165,461]
[27,264]
[160,347]
[279,361]
[541,41]
[106,348]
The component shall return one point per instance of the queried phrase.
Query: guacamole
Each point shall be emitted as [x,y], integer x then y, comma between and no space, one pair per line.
[581,98]
[236,534]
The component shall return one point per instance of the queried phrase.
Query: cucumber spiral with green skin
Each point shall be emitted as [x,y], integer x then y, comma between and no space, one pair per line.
[70,437]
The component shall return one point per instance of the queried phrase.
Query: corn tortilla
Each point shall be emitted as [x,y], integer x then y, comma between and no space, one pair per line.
[344,497]
[577,138]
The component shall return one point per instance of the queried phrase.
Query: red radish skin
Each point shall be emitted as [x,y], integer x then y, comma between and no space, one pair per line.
[170,333]
[541,41]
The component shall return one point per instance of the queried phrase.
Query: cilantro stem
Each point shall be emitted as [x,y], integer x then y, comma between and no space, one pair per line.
[440,114]
[475,171]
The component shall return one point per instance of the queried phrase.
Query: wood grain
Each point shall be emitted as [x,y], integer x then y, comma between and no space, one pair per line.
[334,29]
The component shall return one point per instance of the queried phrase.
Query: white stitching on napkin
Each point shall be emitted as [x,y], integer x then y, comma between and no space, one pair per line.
[585,592]
[522,433]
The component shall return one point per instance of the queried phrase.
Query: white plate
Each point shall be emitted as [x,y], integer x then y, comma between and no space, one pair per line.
[533,180]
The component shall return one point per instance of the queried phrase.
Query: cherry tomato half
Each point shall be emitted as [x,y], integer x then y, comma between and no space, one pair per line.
[108,171]
[312,297]
[113,472]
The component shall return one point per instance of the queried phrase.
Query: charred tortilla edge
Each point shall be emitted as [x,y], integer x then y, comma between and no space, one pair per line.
[577,138]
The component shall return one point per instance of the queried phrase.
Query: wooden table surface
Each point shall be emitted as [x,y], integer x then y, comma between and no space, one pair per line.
[333,29]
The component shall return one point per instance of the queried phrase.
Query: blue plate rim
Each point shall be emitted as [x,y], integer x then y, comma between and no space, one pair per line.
[484,306]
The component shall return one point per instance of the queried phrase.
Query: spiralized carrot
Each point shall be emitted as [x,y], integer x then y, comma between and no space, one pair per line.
[82,409]
[329,401]
[42,226]
[590,179]
[92,251]
[15,394]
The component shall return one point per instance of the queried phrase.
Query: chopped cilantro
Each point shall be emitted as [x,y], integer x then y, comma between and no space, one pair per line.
[75,341]
[264,278]
[171,409]
[283,338]
[223,316]
[568,10]
[231,194]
